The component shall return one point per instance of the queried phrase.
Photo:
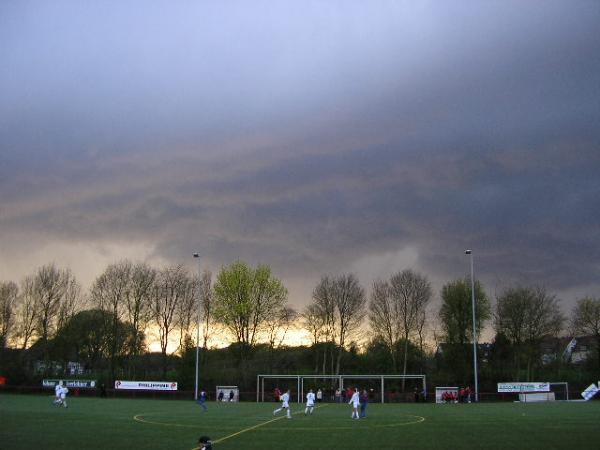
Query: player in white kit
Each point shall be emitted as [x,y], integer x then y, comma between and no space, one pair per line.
[57,389]
[355,401]
[310,402]
[285,404]
[63,396]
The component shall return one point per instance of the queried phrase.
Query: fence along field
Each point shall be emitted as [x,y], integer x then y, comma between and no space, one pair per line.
[31,421]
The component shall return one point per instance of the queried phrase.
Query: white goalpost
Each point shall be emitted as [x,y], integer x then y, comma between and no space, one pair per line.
[339,380]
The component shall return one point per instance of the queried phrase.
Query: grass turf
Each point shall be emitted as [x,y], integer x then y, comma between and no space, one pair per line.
[28,422]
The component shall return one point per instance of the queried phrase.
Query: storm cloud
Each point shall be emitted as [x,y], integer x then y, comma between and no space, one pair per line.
[317,137]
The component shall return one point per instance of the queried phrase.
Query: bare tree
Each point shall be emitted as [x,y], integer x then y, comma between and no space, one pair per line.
[525,315]
[350,301]
[323,309]
[586,320]
[139,302]
[112,288]
[207,296]
[50,290]
[340,302]
[397,311]
[279,324]
[170,287]
[314,322]
[110,293]
[9,292]
[187,310]
[70,304]
[384,319]
[412,293]
[26,312]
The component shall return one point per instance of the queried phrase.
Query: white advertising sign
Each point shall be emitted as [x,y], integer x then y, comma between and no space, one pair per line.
[589,392]
[50,383]
[517,387]
[146,385]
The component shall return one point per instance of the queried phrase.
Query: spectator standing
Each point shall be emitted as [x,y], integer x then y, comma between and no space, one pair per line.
[319,396]
[338,395]
[364,401]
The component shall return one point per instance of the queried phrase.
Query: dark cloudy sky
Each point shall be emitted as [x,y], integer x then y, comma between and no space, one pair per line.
[317,137]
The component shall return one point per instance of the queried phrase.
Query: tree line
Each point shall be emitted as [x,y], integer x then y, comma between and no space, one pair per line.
[130,304]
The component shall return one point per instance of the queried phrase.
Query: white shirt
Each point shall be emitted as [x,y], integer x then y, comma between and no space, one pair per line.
[57,390]
[285,398]
[63,392]
[355,400]
[310,399]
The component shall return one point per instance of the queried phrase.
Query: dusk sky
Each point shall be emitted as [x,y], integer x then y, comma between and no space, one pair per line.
[320,137]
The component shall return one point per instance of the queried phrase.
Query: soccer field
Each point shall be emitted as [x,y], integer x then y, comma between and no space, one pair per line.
[30,422]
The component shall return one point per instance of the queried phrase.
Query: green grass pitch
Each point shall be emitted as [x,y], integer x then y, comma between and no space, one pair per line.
[31,422]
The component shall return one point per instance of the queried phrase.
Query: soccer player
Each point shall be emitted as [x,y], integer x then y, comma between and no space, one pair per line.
[57,389]
[310,402]
[355,402]
[63,396]
[202,400]
[285,404]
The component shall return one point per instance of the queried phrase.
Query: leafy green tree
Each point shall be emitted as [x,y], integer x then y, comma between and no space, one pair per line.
[456,311]
[245,300]
[456,319]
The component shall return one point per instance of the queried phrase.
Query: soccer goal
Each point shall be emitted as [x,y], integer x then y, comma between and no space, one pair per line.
[383,388]
[228,394]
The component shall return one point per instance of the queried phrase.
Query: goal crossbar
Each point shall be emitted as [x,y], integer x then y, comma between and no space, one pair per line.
[260,382]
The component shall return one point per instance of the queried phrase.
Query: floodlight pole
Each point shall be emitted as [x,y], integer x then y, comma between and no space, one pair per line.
[197,255]
[470,253]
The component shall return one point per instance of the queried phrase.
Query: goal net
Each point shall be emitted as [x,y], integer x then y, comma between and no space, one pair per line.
[228,394]
[336,388]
